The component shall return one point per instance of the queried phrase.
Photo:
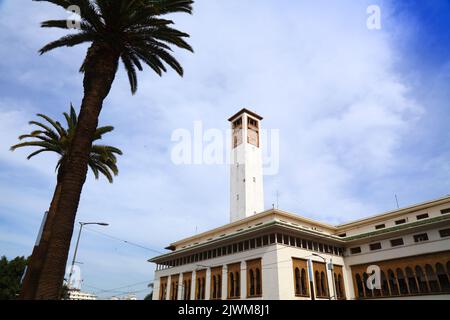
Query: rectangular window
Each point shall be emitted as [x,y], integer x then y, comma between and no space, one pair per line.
[265,240]
[279,238]
[422,216]
[355,250]
[445,211]
[241,246]
[397,242]
[304,246]
[272,238]
[375,246]
[235,248]
[380,226]
[258,242]
[309,245]
[421,237]
[292,241]
[401,221]
[298,242]
[444,233]
[252,243]
[315,246]
[286,240]
[320,247]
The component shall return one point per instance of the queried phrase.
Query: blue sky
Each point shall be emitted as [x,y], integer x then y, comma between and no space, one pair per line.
[363,115]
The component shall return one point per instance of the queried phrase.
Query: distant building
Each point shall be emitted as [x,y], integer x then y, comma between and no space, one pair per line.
[274,254]
[75,294]
[127,297]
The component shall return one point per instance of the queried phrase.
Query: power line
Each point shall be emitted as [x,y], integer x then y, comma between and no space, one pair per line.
[123,240]
[117,288]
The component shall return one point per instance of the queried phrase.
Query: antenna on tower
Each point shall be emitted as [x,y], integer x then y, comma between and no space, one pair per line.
[277,198]
[396,200]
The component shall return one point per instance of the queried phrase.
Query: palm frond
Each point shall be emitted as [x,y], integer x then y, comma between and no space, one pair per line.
[69,41]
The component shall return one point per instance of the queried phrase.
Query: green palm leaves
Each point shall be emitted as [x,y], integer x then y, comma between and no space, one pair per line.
[51,136]
[133,28]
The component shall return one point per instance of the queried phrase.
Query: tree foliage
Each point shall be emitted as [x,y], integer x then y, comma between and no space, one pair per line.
[11,273]
[51,136]
[134,28]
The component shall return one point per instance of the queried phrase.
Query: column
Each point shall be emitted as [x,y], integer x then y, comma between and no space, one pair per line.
[243,280]
[193,284]
[208,284]
[180,288]
[224,282]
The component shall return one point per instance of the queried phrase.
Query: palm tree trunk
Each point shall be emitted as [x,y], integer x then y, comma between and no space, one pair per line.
[99,71]
[36,261]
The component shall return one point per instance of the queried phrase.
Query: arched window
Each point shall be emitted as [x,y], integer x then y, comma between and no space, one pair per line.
[219,287]
[199,290]
[252,282]
[340,287]
[214,284]
[368,291]
[323,284]
[393,283]
[421,280]
[303,282]
[318,291]
[258,282]
[203,288]
[384,285]
[359,285]
[442,277]
[297,281]
[448,268]
[187,290]
[402,282]
[336,285]
[432,279]
[231,284]
[238,285]
[412,282]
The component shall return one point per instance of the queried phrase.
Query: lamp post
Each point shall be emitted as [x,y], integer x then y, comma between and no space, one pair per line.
[82,224]
[331,271]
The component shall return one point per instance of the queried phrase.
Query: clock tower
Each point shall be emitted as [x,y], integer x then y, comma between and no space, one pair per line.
[246,184]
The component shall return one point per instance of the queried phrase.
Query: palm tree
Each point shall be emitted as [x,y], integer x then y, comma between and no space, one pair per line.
[129,30]
[51,136]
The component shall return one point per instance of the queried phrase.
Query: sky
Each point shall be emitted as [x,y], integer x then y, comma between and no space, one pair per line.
[362,116]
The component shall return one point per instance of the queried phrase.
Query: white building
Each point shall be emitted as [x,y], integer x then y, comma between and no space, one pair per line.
[274,254]
[75,294]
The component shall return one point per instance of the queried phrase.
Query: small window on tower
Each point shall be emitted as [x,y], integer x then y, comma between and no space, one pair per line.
[237,197]
[254,179]
[237,123]
[253,132]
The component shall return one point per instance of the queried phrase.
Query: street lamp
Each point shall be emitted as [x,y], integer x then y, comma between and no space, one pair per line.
[329,267]
[82,224]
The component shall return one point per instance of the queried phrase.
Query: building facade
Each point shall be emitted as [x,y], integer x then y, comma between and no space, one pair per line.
[75,294]
[274,254]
